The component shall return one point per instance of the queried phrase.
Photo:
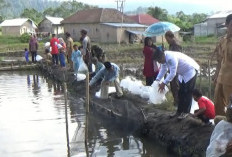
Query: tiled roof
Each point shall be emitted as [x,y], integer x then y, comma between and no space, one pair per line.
[97,15]
[144,19]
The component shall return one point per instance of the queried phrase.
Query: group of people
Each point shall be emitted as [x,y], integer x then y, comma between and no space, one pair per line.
[181,72]
[105,72]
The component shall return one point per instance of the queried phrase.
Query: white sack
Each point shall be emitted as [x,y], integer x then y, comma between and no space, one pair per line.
[219,139]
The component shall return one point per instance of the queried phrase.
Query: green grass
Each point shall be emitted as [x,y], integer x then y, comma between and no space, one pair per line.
[205,40]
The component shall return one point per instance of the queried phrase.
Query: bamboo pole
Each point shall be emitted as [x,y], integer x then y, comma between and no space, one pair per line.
[209,67]
[66,119]
[200,79]
[87,114]
[87,92]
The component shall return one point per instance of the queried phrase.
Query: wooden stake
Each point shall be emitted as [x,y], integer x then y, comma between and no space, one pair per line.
[209,67]
[87,92]
[87,114]
[66,119]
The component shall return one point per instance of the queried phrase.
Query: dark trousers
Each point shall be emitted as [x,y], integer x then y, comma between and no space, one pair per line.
[203,118]
[62,59]
[174,86]
[55,59]
[149,81]
[185,95]
[33,56]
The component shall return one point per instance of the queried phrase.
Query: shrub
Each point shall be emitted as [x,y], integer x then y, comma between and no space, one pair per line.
[24,38]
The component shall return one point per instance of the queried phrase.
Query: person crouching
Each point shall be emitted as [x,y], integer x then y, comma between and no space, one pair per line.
[109,73]
[206,107]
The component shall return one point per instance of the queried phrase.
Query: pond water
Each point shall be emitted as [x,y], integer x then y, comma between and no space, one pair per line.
[34,124]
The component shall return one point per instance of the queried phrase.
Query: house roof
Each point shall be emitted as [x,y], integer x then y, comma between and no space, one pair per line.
[220,14]
[145,19]
[17,22]
[97,15]
[54,20]
[129,25]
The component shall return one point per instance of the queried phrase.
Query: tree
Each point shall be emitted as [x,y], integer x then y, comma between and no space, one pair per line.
[33,15]
[66,9]
[158,13]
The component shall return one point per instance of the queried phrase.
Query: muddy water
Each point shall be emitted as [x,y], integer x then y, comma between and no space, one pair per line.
[33,123]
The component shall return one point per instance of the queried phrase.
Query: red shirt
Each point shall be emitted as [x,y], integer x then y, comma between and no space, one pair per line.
[208,104]
[148,69]
[53,44]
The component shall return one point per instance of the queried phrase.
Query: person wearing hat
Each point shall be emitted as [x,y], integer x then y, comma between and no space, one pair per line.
[109,73]
[223,73]
[85,40]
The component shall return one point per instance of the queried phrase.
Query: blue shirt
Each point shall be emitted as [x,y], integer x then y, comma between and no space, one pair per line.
[107,75]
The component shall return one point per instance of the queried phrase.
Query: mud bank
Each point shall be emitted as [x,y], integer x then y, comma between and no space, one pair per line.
[188,137]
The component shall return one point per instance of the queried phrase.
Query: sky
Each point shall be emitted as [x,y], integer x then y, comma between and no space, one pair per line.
[172,6]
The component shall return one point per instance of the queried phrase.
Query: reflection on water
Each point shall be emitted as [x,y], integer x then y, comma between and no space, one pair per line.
[32,113]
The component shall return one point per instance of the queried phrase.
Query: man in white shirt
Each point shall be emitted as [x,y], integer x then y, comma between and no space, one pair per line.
[186,68]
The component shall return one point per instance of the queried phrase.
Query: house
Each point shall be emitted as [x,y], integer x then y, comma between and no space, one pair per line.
[104,25]
[51,25]
[144,19]
[18,26]
[212,25]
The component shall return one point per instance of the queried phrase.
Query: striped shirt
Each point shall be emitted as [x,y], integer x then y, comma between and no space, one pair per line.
[178,64]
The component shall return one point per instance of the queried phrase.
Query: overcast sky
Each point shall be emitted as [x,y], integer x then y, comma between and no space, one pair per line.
[172,6]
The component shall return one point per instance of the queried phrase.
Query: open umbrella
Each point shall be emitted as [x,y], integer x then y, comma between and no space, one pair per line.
[160,28]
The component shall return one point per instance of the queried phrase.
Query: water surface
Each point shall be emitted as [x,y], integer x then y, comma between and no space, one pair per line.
[33,123]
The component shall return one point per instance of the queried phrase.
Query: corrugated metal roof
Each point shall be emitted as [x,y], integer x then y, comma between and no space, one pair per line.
[16,22]
[135,32]
[54,20]
[125,25]
[220,14]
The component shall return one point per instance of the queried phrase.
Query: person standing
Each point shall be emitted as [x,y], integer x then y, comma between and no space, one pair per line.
[186,68]
[150,68]
[33,47]
[76,57]
[173,46]
[62,50]
[53,43]
[86,49]
[109,73]
[69,48]
[223,75]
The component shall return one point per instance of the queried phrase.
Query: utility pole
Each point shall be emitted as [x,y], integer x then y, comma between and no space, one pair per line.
[120,7]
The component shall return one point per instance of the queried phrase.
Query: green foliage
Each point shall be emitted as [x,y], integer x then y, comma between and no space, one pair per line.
[158,13]
[66,9]
[209,39]
[33,15]
[24,38]
[8,40]
[185,22]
